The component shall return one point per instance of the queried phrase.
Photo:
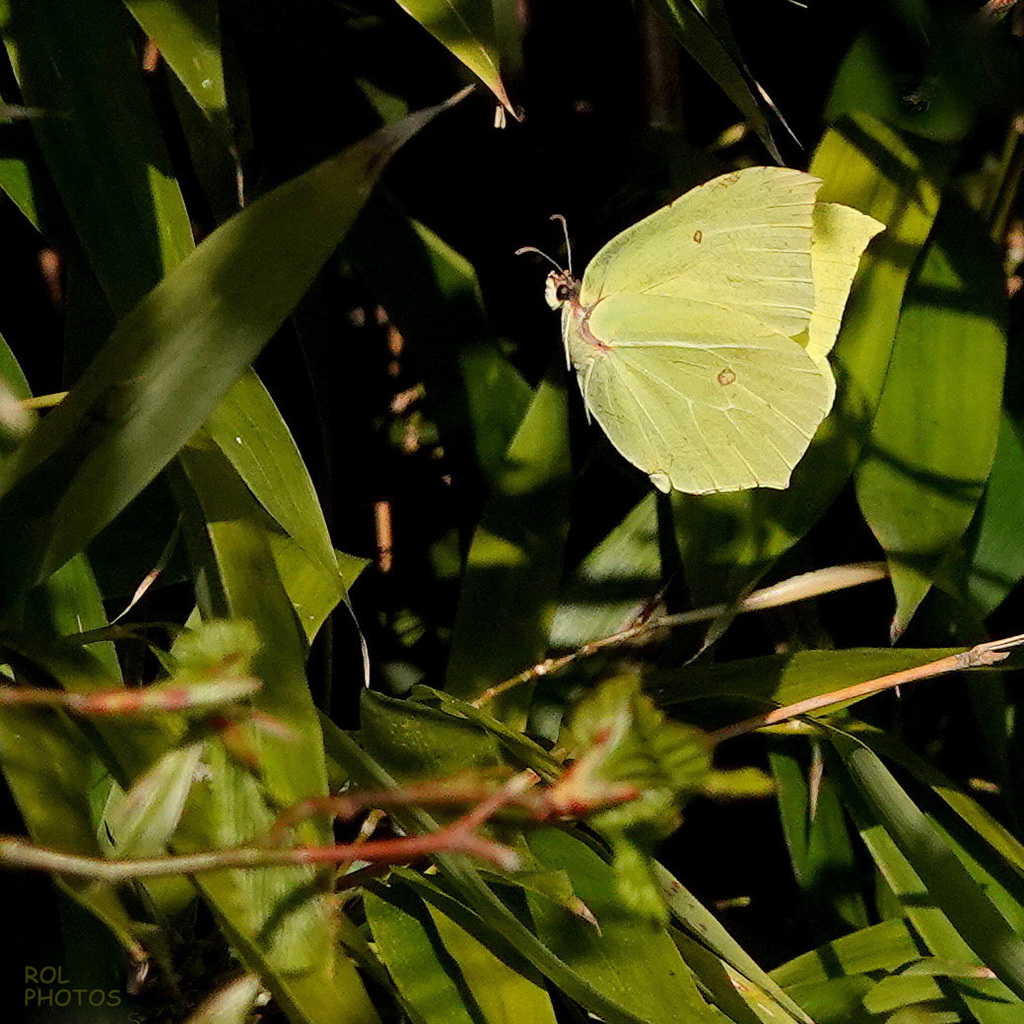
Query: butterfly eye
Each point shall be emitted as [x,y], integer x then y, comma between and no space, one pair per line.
[563,293]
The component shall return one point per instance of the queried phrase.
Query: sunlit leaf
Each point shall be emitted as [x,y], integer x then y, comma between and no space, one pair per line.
[428,980]
[996,558]
[702,30]
[515,562]
[466,28]
[977,921]
[934,433]
[728,540]
[188,36]
[629,959]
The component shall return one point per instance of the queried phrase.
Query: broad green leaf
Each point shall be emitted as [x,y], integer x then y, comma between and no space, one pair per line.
[817,837]
[971,912]
[499,926]
[630,960]
[705,928]
[140,822]
[785,678]
[277,918]
[995,562]
[934,435]
[466,28]
[502,994]
[416,742]
[187,33]
[715,50]
[428,980]
[728,540]
[171,359]
[887,82]
[102,144]
[613,584]
[515,561]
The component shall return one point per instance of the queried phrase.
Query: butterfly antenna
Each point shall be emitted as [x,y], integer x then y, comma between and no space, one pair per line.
[531,248]
[568,245]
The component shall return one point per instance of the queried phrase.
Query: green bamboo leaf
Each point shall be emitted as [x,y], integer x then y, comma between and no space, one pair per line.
[55,779]
[995,562]
[786,678]
[187,34]
[502,994]
[881,947]
[733,994]
[519,748]
[499,928]
[278,919]
[16,181]
[140,822]
[701,27]
[628,959]
[515,561]
[817,838]
[466,28]
[889,83]
[728,540]
[934,434]
[418,742]
[1001,841]
[918,902]
[101,141]
[825,981]
[613,584]
[976,919]
[248,428]
[704,928]
[171,359]
[427,978]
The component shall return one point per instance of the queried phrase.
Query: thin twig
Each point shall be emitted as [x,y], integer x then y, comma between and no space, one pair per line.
[124,702]
[560,800]
[990,653]
[459,837]
[797,588]
[132,702]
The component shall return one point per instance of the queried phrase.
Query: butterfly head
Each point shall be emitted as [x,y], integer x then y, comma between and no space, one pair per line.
[560,287]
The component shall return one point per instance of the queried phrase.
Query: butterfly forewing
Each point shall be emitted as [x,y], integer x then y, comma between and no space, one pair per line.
[741,242]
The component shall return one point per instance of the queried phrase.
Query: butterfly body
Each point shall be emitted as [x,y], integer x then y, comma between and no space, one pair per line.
[700,335]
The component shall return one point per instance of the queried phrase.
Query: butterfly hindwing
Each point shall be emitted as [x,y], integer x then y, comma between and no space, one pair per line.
[723,406]
[839,238]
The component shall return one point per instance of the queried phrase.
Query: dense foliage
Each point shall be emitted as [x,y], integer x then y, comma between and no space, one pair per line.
[349,674]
